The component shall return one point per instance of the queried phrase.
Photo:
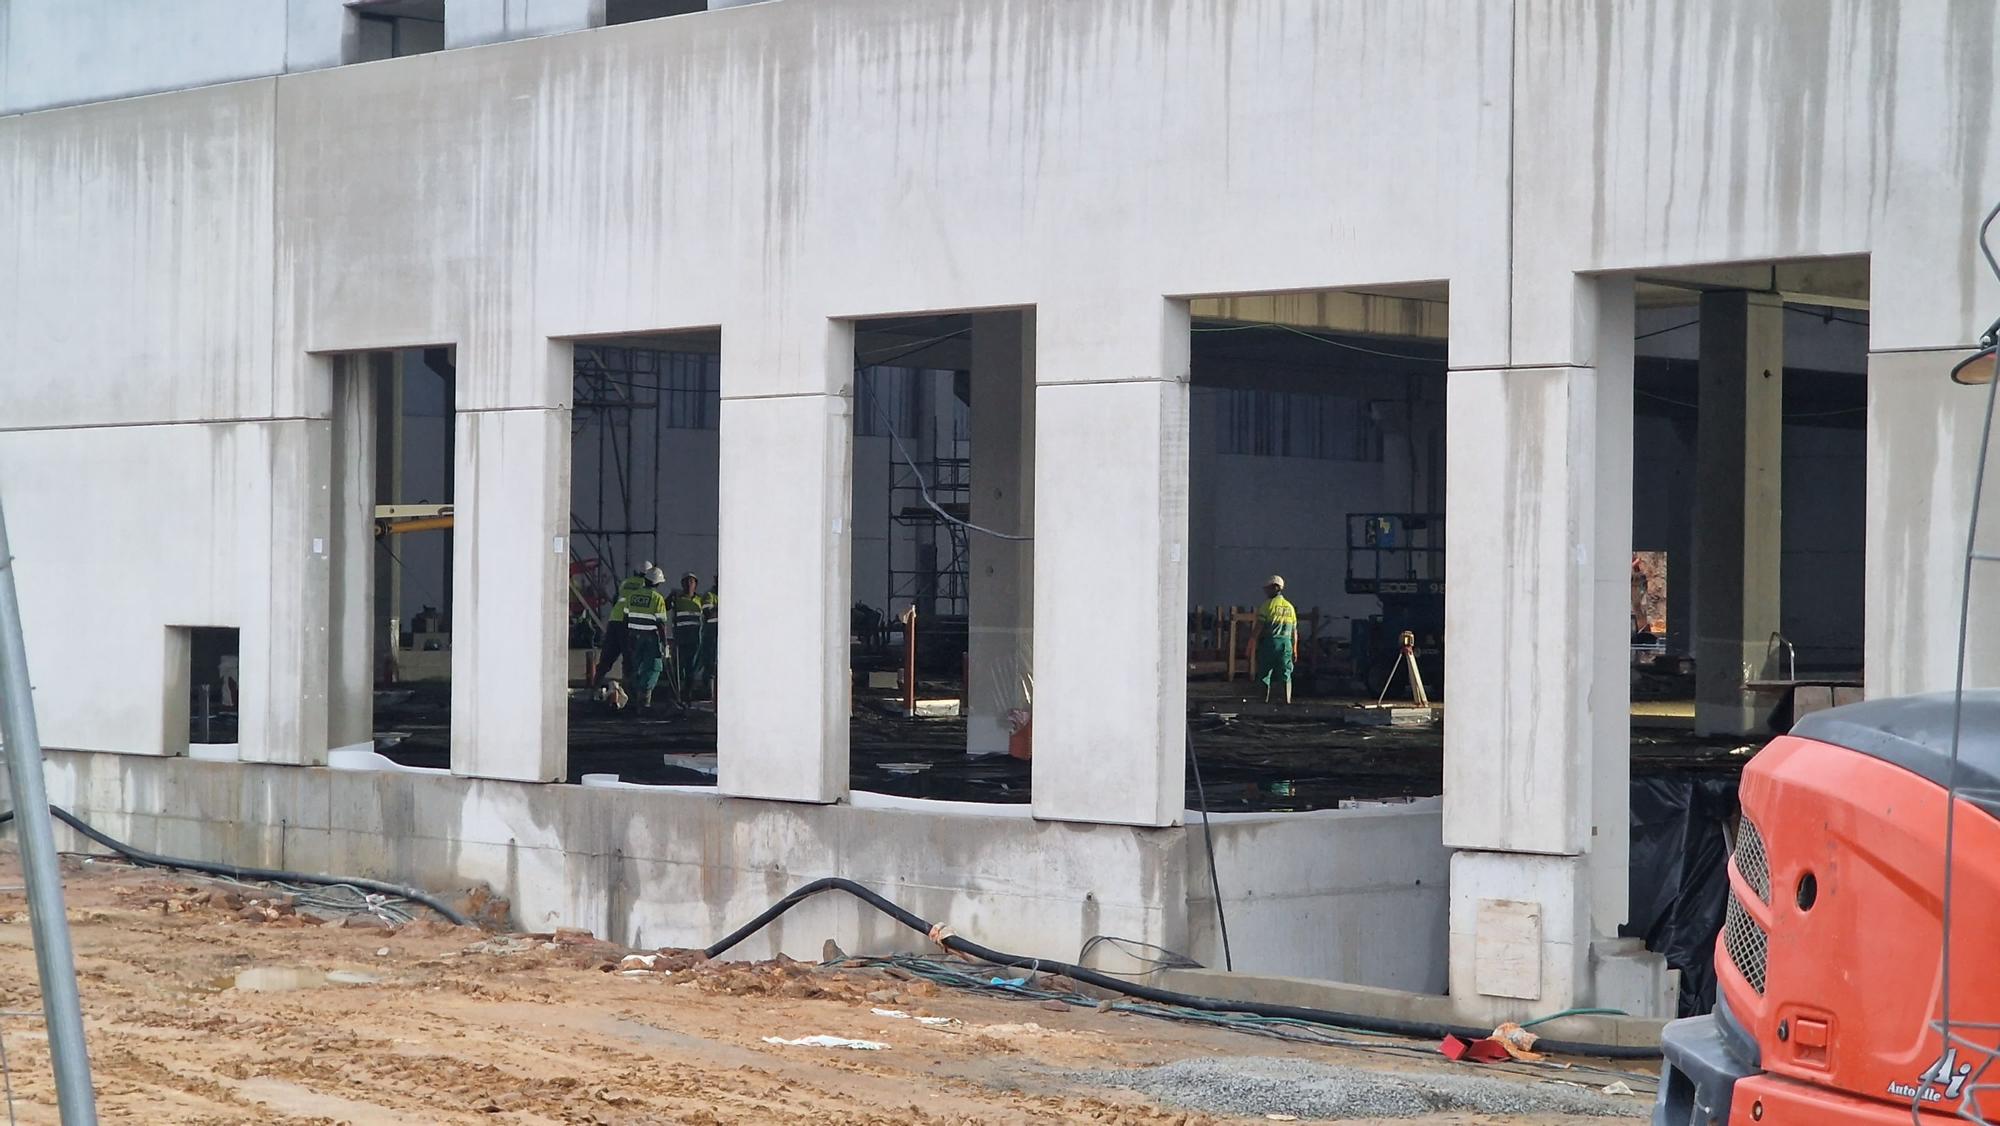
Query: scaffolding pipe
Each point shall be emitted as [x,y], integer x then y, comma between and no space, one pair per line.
[55,962]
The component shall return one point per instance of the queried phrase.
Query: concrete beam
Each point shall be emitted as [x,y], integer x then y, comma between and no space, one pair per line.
[1835,282]
[1334,311]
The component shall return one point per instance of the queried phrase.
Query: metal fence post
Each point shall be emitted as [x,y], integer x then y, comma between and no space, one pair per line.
[55,962]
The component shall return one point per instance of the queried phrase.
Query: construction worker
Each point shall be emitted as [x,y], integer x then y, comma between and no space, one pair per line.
[686,608]
[645,651]
[1277,638]
[705,664]
[614,627]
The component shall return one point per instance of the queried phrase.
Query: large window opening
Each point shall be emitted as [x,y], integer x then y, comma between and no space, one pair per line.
[1749,496]
[941,645]
[644,599]
[1316,456]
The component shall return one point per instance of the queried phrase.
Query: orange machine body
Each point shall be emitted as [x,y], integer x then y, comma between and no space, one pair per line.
[1829,977]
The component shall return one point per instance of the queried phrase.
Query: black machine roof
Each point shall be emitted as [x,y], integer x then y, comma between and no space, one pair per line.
[1914,732]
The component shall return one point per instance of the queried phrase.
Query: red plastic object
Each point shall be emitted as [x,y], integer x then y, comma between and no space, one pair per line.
[1487,1050]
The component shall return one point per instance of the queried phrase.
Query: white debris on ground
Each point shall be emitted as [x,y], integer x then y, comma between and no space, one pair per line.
[898,1014]
[828,1042]
[1262,1087]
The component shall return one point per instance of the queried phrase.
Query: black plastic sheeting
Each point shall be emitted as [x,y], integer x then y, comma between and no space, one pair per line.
[1680,879]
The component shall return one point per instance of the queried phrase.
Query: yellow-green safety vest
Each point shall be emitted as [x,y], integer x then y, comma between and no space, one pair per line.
[626,589]
[645,610]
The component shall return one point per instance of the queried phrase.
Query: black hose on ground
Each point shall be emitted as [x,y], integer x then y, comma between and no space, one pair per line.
[1366,1022]
[238,872]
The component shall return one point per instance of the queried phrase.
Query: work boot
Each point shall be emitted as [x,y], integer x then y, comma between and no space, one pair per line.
[646,701]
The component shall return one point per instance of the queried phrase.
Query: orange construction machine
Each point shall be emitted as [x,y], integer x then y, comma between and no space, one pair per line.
[1832,971]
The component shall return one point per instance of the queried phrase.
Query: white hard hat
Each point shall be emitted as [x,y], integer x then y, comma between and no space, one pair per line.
[1276,581]
[655,576]
[644,567]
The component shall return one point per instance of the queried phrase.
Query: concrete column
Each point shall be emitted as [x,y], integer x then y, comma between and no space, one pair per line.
[1111,462]
[284,648]
[1739,447]
[1537,740]
[1923,455]
[1001,586]
[350,708]
[787,451]
[510,591]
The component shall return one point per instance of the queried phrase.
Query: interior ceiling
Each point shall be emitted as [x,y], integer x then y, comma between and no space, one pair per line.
[704,340]
[632,11]
[432,10]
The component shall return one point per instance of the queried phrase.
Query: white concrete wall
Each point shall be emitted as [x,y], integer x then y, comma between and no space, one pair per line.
[62,52]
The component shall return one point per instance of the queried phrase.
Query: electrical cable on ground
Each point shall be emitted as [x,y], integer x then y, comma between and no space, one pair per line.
[1131,947]
[240,872]
[959,975]
[1365,1022]
[1208,834]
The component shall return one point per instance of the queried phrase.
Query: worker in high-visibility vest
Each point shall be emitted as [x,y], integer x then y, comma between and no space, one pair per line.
[645,638]
[1277,638]
[614,624]
[705,664]
[686,608]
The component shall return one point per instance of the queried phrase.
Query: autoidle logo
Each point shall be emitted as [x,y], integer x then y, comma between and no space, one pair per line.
[1941,1082]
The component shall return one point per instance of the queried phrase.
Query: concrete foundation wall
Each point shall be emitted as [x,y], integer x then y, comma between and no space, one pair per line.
[1356,895]
[682,867]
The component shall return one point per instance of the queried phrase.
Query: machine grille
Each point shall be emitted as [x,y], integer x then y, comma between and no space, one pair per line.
[1745,942]
[1751,862]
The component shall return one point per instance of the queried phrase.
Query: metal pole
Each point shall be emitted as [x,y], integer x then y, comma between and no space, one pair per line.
[55,962]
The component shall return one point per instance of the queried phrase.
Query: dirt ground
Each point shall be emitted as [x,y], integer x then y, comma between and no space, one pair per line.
[205,1005]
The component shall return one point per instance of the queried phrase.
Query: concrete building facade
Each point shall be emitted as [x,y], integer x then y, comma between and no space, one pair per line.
[184,276]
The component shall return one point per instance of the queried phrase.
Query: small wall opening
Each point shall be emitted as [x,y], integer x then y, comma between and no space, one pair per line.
[204,688]
[1316,452]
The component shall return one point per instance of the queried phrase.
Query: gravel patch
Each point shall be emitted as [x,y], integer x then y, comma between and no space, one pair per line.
[1258,1086]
